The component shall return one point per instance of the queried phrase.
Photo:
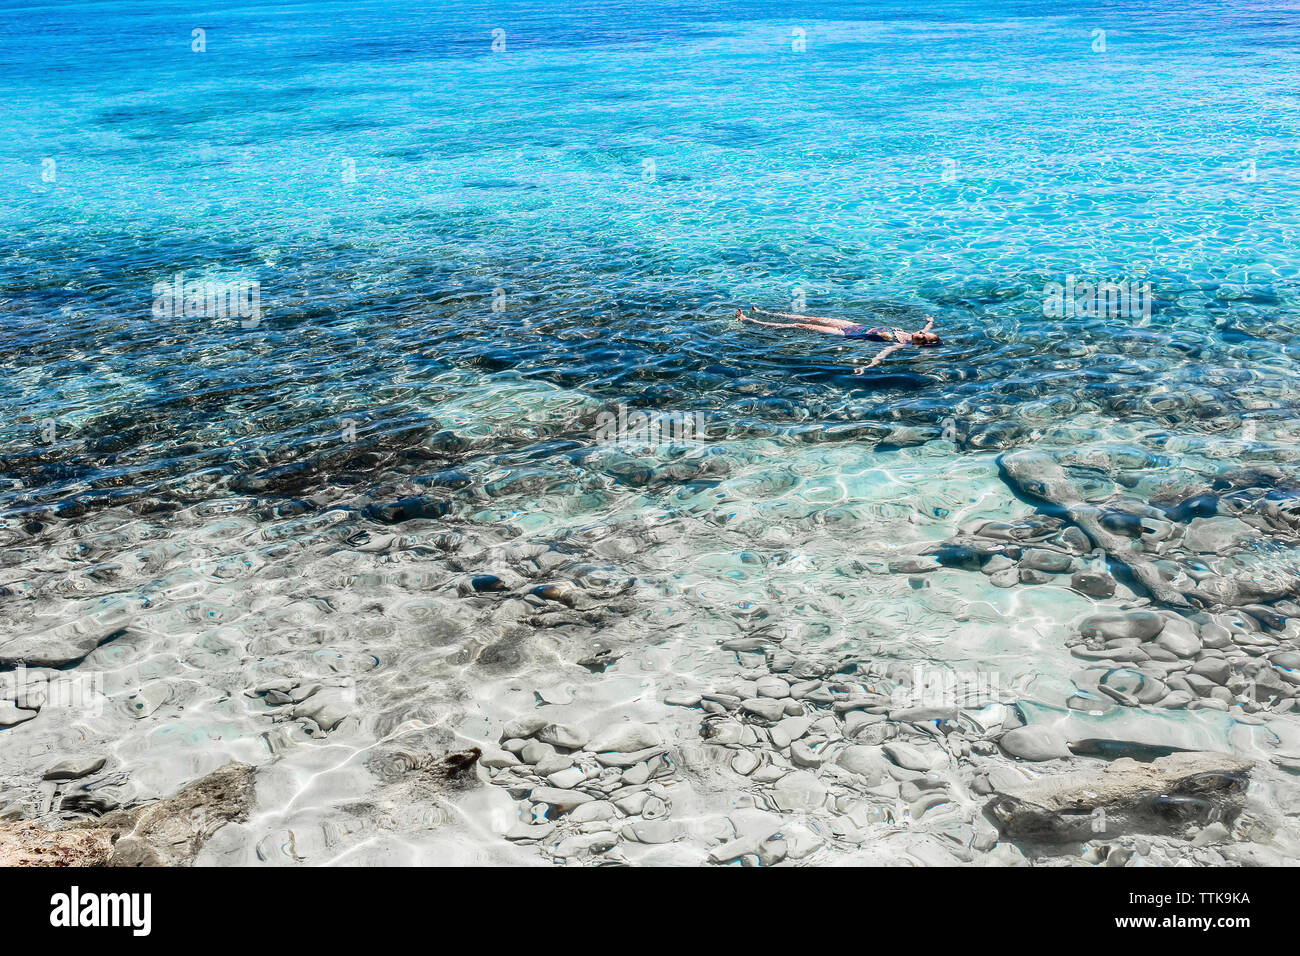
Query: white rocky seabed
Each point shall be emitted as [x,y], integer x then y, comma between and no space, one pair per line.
[724,673]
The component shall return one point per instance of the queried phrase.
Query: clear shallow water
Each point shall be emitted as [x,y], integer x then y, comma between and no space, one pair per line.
[625,177]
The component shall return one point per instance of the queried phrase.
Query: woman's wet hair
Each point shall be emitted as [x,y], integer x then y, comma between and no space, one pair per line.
[926,338]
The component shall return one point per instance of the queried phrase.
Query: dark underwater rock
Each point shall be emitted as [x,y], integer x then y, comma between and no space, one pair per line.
[1037,476]
[1170,795]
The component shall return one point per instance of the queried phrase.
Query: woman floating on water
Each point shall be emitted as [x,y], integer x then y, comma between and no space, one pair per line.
[896,338]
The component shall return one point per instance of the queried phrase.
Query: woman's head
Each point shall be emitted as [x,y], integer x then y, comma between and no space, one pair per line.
[926,338]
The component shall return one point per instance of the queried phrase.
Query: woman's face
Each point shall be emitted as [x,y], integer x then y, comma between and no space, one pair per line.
[924,338]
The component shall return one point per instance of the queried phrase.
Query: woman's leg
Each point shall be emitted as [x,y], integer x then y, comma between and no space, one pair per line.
[820,320]
[827,329]
[776,325]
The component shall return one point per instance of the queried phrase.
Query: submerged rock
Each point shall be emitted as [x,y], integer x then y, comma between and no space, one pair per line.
[1174,795]
[30,844]
[73,768]
[1040,559]
[563,735]
[11,714]
[424,771]
[1218,535]
[166,832]
[65,644]
[1038,477]
[1142,625]
[800,790]
[1093,583]
[559,801]
[1034,743]
[171,832]
[625,738]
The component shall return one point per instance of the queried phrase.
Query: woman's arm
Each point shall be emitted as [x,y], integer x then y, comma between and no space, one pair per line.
[883,354]
[929,324]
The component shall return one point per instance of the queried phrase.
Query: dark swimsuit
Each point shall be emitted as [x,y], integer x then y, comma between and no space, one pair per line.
[876,335]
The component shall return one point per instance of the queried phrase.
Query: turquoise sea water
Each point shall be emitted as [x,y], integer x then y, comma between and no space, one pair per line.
[626,176]
[473,228]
